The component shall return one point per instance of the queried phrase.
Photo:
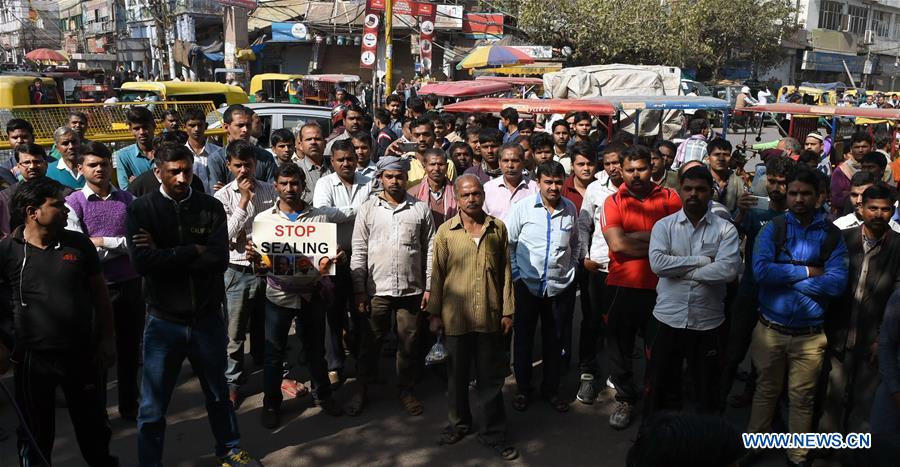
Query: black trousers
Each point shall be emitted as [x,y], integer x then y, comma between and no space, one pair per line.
[37,375]
[591,334]
[551,312]
[129,311]
[743,319]
[667,350]
[486,352]
[338,315]
[628,311]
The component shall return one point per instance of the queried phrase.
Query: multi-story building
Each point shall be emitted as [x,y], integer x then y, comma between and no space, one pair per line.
[844,39]
[26,25]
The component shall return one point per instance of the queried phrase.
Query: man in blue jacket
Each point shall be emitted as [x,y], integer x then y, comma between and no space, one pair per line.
[800,262]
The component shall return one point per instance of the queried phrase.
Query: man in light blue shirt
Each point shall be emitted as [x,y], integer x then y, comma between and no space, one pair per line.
[133,160]
[544,250]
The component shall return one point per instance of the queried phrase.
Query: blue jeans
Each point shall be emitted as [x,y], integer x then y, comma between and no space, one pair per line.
[311,332]
[166,344]
[245,296]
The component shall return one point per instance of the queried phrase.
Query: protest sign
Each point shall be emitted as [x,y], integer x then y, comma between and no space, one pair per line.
[293,248]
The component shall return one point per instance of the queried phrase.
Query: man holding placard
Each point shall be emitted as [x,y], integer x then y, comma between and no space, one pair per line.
[299,244]
[391,270]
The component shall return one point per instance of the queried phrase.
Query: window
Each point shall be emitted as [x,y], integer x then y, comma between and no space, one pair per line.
[857,18]
[830,15]
[896,26]
[881,21]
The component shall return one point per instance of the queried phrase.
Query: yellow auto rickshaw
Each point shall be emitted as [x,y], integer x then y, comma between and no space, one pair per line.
[148,91]
[20,90]
[277,87]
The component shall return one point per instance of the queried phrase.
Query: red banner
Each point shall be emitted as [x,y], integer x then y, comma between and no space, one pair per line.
[368,54]
[426,40]
[481,25]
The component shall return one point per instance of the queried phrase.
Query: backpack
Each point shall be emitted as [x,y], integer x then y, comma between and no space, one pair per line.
[779,237]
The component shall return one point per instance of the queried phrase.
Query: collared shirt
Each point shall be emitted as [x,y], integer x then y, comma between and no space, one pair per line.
[112,246]
[240,221]
[368,171]
[499,198]
[544,246]
[201,163]
[692,149]
[852,221]
[593,243]
[571,193]
[332,192]
[291,291]
[417,171]
[694,264]
[162,190]
[130,162]
[66,176]
[392,248]
[471,283]
[313,173]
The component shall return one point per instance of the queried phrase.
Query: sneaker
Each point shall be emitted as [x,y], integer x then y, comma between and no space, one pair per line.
[586,393]
[238,457]
[330,406]
[270,418]
[621,416]
[610,384]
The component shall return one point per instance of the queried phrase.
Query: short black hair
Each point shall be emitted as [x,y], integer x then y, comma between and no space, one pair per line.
[416,104]
[448,119]
[510,114]
[490,135]
[700,172]
[557,123]
[34,193]
[859,137]
[807,156]
[19,124]
[382,116]
[874,157]
[92,148]
[240,150]
[140,116]
[228,117]
[194,113]
[171,112]
[79,114]
[282,135]
[618,148]
[637,152]
[460,144]
[781,167]
[526,125]
[863,178]
[807,176]
[172,152]
[422,121]
[176,137]
[431,99]
[393,98]
[549,168]
[29,148]
[354,108]
[364,137]
[579,116]
[665,144]
[696,125]
[342,145]
[539,139]
[585,149]
[718,143]
[879,191]
[291,170]
[679,439]
[474,130]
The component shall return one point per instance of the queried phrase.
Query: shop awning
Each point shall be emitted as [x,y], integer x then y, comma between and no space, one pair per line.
[538,68]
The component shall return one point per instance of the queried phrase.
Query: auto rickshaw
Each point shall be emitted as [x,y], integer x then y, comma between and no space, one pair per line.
[320,89]
[276,86]
[17,90]
[526,85]
[148,91]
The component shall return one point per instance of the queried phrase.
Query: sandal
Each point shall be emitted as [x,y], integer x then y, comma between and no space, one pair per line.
[520,402]
[356,404]
[558,404]
[507,452]
[412,405]
[451,436]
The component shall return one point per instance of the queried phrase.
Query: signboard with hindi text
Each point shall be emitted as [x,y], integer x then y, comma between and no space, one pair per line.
[295,248]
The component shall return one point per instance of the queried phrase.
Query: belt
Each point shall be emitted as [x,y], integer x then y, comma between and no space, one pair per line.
[240,268]
[804,331]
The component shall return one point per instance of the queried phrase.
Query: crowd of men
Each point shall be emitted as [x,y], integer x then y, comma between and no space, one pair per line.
[475,231]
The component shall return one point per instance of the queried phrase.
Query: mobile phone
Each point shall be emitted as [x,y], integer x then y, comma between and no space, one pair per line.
[408,147]
[762,202]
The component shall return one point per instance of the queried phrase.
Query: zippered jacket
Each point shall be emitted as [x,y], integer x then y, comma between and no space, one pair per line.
[180,284]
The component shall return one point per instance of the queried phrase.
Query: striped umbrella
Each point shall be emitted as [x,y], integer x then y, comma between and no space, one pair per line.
[494,55]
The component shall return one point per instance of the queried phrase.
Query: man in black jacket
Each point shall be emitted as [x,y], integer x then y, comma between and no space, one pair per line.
[852,325]
[178,241]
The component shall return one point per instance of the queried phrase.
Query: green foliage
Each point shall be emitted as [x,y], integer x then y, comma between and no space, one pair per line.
[702,34]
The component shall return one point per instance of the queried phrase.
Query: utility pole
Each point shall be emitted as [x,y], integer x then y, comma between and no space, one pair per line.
[388,46]
[162,17]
